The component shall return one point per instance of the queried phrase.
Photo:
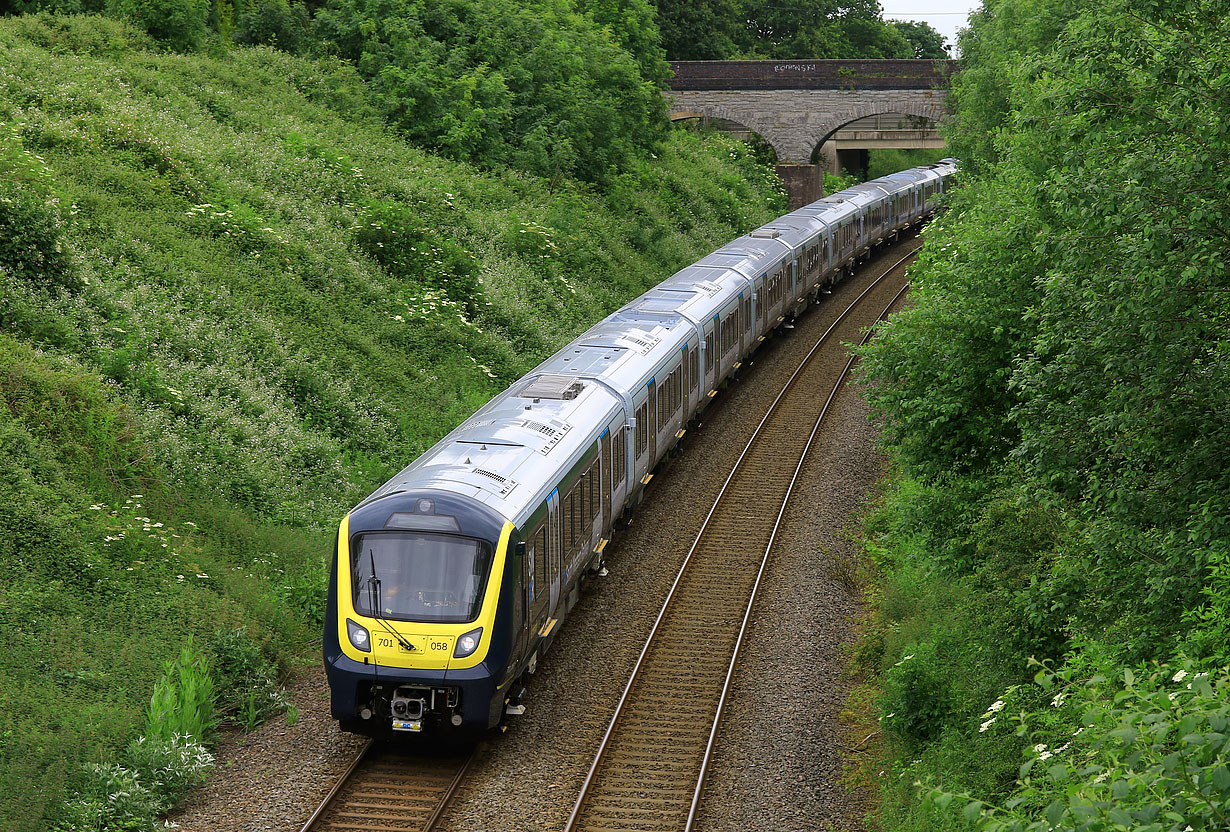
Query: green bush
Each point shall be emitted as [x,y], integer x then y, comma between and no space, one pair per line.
[168,768]
[275,23]
[917,695]
[1149,754]
[246,678]
[113,799]
[532,85]
[32,245]
[180,25]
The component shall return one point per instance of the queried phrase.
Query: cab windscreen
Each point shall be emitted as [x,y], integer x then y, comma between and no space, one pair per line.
[416,576]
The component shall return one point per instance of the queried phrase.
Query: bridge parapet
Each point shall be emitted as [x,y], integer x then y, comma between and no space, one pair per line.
[811,75]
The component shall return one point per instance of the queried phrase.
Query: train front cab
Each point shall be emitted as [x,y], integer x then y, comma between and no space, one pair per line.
[420,615]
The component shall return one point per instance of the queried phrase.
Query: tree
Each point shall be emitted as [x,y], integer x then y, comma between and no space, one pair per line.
[699,30]
[534,85]
[927,42]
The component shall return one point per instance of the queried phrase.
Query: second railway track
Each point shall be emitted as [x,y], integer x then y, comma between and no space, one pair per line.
[648,772]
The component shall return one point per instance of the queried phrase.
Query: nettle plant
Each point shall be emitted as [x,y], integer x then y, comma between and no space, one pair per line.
[1150,754]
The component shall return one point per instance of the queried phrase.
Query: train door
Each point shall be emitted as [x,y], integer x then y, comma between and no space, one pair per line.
[652,415]
[554,545]
[711,348]
[764,301]
[683,384]
[744,326]
[604,475]
[537,582]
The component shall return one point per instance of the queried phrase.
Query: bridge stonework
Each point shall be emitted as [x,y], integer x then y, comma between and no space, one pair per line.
[796,122]
[796,105]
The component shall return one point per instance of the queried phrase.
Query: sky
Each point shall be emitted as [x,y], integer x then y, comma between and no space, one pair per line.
[945,16]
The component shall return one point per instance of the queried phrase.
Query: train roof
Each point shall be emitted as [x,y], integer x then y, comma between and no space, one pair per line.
[831,209]
[507,454]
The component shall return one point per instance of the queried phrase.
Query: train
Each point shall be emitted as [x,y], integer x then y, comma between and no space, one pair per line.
[450,581]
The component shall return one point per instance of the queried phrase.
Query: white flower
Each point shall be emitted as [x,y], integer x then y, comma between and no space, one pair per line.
[1059,699]
[1179,677]
[996,706]
[984,726]
[1039,748]
[1045,755]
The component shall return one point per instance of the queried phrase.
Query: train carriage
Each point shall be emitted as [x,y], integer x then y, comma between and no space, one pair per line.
[450,580]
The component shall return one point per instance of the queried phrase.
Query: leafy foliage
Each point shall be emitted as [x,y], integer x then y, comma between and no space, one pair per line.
[531,85]
[1148,753]
[1060,387]
[923,39]
[183,699]
[726,29]
[183,25]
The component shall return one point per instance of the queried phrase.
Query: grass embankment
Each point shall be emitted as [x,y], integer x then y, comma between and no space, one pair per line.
[232,302]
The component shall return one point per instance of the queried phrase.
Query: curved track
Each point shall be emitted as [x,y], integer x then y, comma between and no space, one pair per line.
[649,770]
[388,791]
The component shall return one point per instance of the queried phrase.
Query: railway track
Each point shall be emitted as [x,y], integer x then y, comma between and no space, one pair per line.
[385,790]
[649,771]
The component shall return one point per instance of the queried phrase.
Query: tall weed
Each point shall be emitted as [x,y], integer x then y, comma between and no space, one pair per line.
[183,699]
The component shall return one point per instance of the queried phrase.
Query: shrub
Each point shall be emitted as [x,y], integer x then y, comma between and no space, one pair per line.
[180,25]
[532,85]
[113,799]
[246,677]
[32,245]
[916,696]
[169,767]
[273,23]
[1150,753]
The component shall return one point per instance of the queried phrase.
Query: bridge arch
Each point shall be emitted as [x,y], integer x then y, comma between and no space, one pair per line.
[825,130]
[680,111]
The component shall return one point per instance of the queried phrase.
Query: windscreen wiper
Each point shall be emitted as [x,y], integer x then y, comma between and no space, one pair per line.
[373,601]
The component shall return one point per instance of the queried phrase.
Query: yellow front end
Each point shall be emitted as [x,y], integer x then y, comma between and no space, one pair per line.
[414,645]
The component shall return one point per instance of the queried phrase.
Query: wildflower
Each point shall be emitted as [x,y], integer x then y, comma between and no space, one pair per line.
[201,575]
[1179,677]
[904,659]
[96,507]
[1039,748]
[984,726]
[1045,755]
[996,706]
[1059,699]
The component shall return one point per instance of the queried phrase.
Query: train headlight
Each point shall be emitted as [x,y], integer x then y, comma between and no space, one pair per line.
[359,636]
[467,644]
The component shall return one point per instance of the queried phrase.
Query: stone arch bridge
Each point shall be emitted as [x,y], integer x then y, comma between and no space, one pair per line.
[797,105]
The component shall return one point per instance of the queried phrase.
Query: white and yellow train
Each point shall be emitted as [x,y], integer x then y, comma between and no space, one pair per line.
[452,578]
